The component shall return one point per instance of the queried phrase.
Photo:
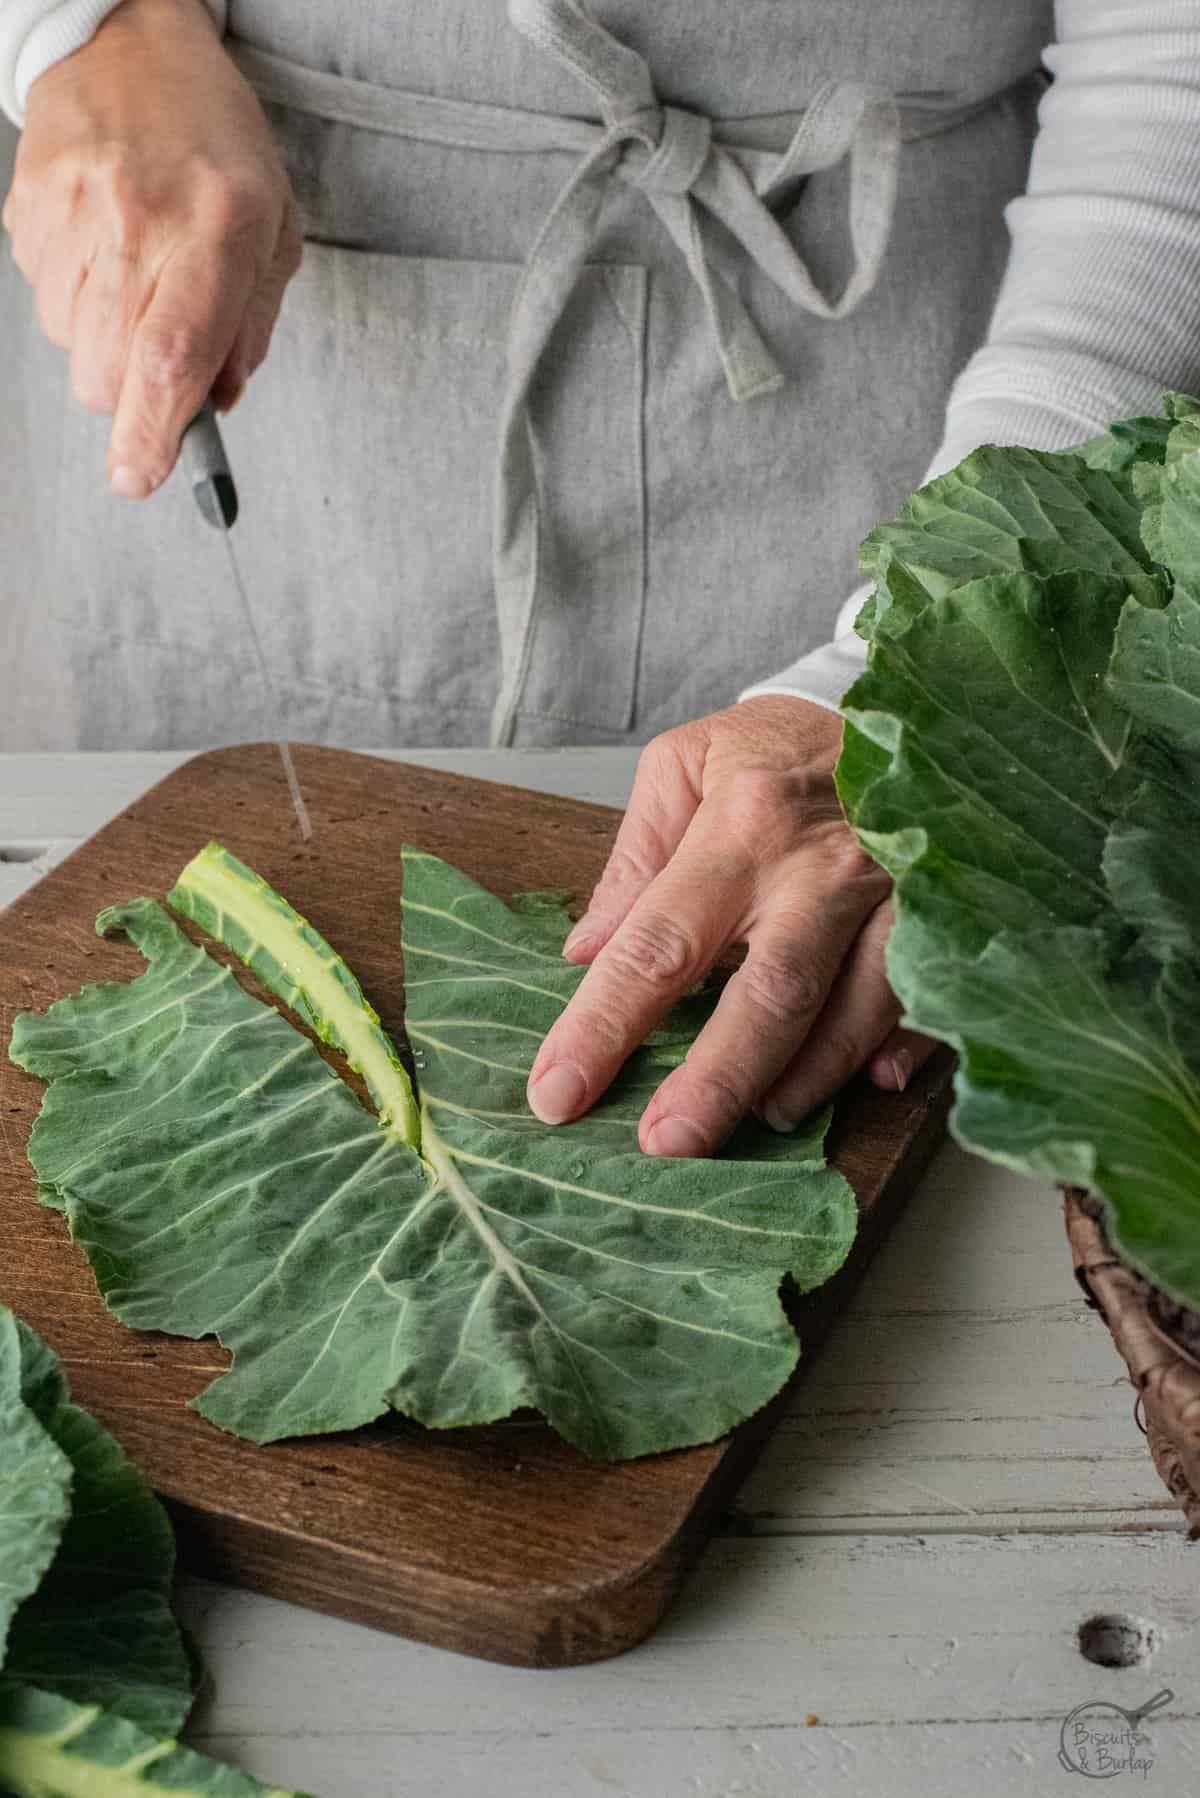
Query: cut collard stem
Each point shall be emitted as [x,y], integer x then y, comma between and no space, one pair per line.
[229,901]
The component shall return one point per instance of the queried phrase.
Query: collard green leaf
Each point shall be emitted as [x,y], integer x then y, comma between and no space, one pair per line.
[1155,676]
[1126,442]
[1023,754]
[99,1628]
[52,1748]
[1012,511]
[1012,752]
[35,1485]
[1172,524]
[223,1179]
[96,1624]
[93,1675]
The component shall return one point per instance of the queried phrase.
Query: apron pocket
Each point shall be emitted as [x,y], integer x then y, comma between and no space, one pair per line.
[364,453]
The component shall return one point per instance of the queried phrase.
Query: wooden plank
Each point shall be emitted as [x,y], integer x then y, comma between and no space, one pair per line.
[501,1541]
[705,1760]
[968,1387]
[937,1667]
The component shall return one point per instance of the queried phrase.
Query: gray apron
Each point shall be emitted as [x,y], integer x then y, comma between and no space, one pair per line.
[616,330]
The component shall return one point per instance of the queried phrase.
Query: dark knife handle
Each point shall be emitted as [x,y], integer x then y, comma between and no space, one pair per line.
[207,468]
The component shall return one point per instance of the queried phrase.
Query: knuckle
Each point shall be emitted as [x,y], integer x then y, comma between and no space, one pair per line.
[719,1096]
[96,389]
[221,203]
[878,928]
[229,201]
[127,235]
[850,864]
[780,987]
[48,314]
[763,804]
[669,749]
[22,256]
[653,751]
[252,360]
[756,789]
[68,181]
[170,355]
[128,203]
[845,1051]
[602,1032]
[840,861]
[627,866]
[656,952]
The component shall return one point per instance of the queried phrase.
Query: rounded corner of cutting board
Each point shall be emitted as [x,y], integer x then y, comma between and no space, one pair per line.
[598,1619]
[571,1610]
[606,1620]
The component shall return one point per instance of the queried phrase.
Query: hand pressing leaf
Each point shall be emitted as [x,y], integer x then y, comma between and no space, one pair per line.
[454,1262]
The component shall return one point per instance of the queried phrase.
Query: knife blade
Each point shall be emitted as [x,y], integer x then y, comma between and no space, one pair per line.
[206,465]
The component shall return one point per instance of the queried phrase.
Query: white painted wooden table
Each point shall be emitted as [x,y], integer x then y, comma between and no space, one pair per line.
[958,1484]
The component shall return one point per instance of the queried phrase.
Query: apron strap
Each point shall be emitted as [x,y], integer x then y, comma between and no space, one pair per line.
[712,190]
[691,181]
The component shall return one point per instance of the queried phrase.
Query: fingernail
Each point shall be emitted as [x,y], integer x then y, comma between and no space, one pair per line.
[901,1068]
[577,936]
[779,1119]
[131,483]
[558,1093]
[675,1136]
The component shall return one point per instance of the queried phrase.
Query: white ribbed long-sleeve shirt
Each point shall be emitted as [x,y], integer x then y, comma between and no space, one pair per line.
[1099,308]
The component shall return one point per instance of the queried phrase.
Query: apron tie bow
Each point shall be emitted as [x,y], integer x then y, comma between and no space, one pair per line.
[670,155]
[681,143]
[712,187]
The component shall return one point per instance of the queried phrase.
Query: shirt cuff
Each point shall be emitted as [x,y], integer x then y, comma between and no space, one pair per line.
[824,674]
[35,34]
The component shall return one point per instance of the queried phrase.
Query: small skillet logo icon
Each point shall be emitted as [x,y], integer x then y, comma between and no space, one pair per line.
[1100,1739]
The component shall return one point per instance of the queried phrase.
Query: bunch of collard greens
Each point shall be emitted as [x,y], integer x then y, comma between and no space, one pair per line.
[94,1675]
[445,1253]
[1023,755]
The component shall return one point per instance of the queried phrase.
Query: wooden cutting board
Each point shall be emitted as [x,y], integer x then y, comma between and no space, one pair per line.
[500,1541]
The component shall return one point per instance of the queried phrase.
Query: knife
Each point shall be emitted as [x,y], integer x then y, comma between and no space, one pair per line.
[207,468]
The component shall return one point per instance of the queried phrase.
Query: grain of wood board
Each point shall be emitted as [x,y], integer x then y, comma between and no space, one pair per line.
[498,1541]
